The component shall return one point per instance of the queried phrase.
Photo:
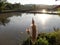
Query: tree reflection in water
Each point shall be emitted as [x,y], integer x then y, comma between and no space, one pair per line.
[4,17]
[4,20]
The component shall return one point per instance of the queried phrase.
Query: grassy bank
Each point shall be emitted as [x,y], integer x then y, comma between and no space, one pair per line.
[52,38]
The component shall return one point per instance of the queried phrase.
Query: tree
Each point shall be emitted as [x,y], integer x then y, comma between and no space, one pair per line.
[2,6]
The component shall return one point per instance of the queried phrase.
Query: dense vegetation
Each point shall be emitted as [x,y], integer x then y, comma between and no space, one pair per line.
[8,6]
[52,38]
[58,9]
[5,6]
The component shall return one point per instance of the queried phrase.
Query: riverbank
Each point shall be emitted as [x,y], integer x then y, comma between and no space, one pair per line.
[52,38]
[28,11]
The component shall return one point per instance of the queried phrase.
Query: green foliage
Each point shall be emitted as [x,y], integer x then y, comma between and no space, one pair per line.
[5,6]
[58,10]
[42,41]
[2,6]
[52,38]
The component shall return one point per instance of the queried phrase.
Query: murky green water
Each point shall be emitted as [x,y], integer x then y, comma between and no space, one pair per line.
[13,26]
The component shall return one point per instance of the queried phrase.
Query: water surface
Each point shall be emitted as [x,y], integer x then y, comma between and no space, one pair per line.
[13,26]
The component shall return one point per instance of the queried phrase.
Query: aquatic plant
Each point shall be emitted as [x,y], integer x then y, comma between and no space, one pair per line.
[33,38]
[33,32]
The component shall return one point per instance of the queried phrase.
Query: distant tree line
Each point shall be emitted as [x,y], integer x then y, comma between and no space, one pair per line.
[17,6]
[6,6]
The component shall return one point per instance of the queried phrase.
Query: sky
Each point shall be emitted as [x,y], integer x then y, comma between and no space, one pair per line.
[47,2]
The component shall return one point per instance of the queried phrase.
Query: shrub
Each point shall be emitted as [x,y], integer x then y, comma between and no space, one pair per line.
[42,41]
